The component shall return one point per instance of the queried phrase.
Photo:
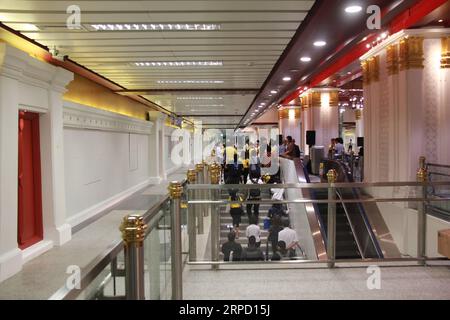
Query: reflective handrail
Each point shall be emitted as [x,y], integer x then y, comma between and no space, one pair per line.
[358,244]
[93,269]
[316,185]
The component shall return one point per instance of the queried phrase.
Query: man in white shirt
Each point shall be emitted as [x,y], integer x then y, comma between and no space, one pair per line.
[254,230]
[288,236]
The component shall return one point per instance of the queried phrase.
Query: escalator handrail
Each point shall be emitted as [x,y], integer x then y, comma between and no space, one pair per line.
[362,211]
[358,244]
[315,205]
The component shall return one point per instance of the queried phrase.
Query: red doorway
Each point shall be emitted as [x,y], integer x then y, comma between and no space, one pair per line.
[30,230]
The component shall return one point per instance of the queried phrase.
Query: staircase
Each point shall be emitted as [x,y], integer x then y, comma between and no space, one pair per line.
[226,220]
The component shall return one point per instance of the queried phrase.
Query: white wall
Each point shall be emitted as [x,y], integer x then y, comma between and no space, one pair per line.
[101,164]
[107,157]
[402,222]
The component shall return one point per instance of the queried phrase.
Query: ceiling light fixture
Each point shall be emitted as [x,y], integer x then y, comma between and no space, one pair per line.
[190,81]
[353,9]
[199,98]
[441,20]
[305,59]
[274,92]
[320,43]
[287,79]
[179,64]
[384,35]
[156,27]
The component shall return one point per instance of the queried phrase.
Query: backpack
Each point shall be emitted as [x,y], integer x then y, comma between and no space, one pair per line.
[254,193]
[233,176]
[297,152]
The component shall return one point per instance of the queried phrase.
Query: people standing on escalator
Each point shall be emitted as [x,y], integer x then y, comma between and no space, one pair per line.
[245,155]
[290,148]
[236,212]
[275,228]
[339,148]
[252,252]
[231,250]
[253,230]
[254,194]
[290,238]
[297,153]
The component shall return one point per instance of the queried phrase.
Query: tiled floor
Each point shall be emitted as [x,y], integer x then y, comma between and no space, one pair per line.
[44,275]
[305,284]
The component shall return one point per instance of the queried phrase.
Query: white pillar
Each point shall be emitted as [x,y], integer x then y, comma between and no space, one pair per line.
[10,255]
[52,155]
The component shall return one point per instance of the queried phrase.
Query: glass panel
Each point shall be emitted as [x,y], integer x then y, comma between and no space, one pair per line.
[157,257]
[109,284]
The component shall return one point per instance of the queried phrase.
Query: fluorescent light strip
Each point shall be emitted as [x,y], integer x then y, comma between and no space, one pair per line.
[178,64]
[157,27]
[199,98]
[189,81]
[204,105]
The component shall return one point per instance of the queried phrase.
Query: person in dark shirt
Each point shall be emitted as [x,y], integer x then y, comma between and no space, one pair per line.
[231,247]
[252,252]
[274,229]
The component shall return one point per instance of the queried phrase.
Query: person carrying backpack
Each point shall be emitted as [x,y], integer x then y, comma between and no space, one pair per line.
[254,194]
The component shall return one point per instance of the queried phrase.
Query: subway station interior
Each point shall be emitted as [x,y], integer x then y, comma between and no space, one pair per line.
[225,150]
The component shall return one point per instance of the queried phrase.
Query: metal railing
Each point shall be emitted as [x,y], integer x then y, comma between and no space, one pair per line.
[202,199]
[132,247]
[438,172]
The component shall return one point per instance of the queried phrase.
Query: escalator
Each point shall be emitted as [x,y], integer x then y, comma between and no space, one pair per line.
[355,238]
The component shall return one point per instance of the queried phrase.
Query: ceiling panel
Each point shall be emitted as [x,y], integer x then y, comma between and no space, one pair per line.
[252,36]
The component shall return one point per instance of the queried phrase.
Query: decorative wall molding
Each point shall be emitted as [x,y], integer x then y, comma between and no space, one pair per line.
[83,117]
[18,65]
[437,33]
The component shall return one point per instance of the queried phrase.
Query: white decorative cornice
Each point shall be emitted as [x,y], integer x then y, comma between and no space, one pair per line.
[83,117]
[20,66]
[435,33]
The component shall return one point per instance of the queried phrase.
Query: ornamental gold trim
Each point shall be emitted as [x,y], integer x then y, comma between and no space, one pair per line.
[365,71]
[374,69]
[334,98]
[133,229]
[411,54]
[284,113]
[392,59]
[358,114]
[445,55]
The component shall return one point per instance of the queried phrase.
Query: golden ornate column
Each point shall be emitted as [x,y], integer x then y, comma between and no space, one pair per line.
[411,53]
[365,72]
[392,59]
[445,56]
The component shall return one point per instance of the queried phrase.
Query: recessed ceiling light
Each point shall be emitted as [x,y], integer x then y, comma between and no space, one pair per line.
[156,27]
[349,72]
[305,59]
[353,9]
[274,92]
[178,64]
[384,35]
[364,39]
[287,79]
[441,20]
[368,46]
[320,43]
[270,95]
